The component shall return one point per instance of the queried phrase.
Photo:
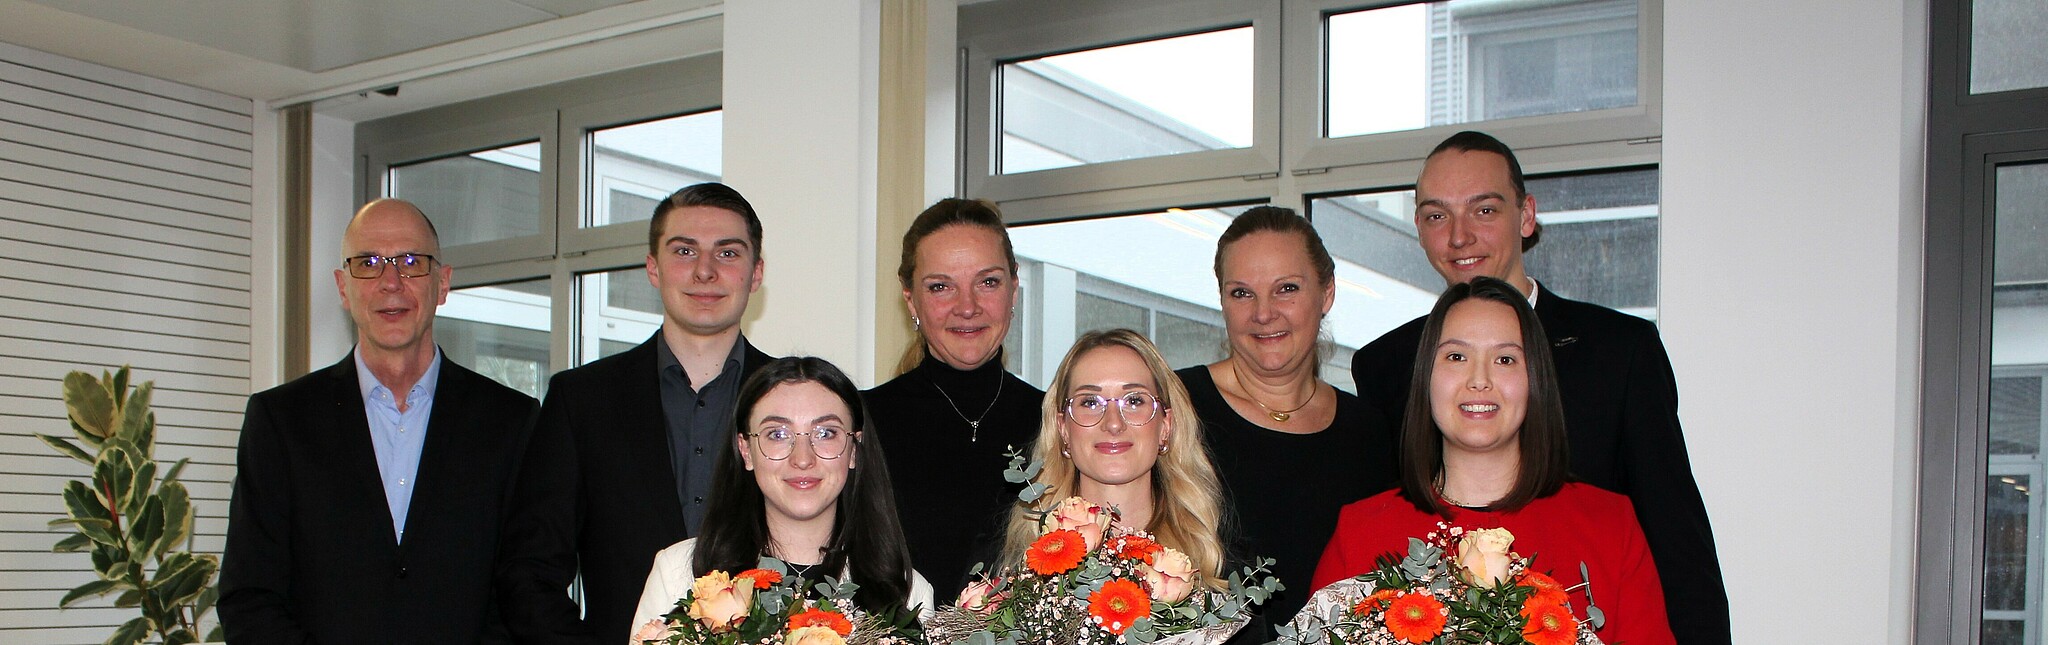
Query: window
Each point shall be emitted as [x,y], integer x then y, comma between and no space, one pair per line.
[1160,97]
[2006,48]
[541,198]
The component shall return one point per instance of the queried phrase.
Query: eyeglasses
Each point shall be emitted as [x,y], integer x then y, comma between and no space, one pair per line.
[777,443]
[1136,408]
[371,267]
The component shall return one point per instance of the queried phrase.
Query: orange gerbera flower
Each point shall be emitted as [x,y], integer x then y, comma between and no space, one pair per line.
[815,617]
[762,578]
[1549,624]
[1416,618]
[1118,604]
[1374,602]
[1056,552]
[1547,588]
[1138,547]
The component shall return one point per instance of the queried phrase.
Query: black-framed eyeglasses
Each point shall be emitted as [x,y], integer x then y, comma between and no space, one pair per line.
[1136,408]
[826,442]
[371,267]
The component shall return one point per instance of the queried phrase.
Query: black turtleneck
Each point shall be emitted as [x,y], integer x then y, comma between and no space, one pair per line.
[949,476]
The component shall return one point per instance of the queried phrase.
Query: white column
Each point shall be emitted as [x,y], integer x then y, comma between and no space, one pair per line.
[800,83]
[1792,205]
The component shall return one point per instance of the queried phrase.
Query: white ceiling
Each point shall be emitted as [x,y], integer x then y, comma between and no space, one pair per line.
[332,51]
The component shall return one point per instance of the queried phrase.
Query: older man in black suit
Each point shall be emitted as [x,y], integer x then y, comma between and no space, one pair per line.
[620,462]
[367,495]
[1474,217]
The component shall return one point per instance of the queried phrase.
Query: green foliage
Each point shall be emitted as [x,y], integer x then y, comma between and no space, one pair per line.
[127,518]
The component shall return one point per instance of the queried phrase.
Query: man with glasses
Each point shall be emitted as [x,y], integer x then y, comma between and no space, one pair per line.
[365,493]
[620,462]
[1474,216]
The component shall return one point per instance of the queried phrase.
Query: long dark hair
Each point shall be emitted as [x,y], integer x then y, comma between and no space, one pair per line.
[866,538]
[1545,455]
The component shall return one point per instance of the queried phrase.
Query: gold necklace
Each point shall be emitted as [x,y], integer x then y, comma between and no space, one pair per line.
[1279,416]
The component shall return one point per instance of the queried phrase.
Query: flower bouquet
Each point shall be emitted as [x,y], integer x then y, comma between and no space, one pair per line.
[1483,593]
[769,607]
[1086,583]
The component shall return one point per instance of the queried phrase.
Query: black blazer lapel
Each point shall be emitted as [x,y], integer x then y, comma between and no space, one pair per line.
[644,427]
[443,468]
[345,431]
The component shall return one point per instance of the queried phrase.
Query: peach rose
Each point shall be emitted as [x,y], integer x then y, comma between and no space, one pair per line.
[1080,516]
[813,636]
[1171,576]
[720,603]
[979,597]
[1483,556]
[656,630]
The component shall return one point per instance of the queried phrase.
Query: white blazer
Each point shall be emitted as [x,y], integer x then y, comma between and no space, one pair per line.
[672,574]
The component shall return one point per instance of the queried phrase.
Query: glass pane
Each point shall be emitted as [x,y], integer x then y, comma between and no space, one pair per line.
[1148,99]
[2016,415]
[616,311]
[634,166]
[2005,541]
[476,197]
[2008,45]
[501,331]
[2004,632]
[1420,65]
[1599,244]
[1152,272]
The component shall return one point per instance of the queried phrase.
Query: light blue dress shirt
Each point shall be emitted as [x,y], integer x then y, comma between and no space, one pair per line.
[398,437]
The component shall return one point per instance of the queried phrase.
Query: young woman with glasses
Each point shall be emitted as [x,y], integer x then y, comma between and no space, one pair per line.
[1118,431]
[804,482]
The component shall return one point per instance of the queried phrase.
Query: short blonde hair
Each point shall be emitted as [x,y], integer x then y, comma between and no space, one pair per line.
[1187,497]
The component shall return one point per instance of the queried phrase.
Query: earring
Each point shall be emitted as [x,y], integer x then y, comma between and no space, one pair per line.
[1162,447]
[915,324]
[1064,453]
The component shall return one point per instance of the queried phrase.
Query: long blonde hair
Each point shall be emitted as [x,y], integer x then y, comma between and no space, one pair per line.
[1187,498]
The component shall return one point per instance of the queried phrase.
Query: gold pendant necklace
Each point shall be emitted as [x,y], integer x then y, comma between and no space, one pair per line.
[1279,416]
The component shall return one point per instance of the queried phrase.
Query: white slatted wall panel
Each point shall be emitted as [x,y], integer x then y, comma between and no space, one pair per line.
[124,238]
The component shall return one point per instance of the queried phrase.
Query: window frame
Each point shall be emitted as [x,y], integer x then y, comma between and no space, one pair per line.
[560,117]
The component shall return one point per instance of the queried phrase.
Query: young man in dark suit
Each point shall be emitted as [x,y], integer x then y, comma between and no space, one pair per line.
[1474,217]
[619,466]
[367,495]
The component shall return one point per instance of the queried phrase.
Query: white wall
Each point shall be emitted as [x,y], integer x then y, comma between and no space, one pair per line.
[800,96]
[1791,232]
[334,202]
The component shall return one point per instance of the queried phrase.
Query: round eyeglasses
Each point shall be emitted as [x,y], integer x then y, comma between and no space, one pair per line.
[371,267]
[778,443]
[1136,408]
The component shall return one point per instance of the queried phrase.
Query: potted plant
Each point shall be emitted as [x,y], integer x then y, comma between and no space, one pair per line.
[129,519]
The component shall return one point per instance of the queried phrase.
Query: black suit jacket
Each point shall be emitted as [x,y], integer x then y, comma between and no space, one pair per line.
[311,554]
[596,490]
[1621,414]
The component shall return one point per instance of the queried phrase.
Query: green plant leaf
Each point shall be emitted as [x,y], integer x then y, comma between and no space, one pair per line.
[87,403]
[118,385]
[65,446]
[92,589]
[179,637]
[188,583]
[140,485]
[77,542]
[129,598]
[204,603]
[146,529]
[219,634]
[177,468]
[130,633]
[89,512]
[136,426]
[177,520]
[105,558]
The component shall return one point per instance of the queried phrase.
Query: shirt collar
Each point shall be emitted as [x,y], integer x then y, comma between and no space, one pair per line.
[665,358]
[368,383]
[1534,289]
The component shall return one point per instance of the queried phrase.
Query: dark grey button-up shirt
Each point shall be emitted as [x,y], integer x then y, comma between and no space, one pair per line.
[699,424]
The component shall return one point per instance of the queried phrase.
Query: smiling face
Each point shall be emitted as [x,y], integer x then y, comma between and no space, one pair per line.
[1273,303]
[393,315]
[801,488]
[1478,381]
[962,294]
[706,269]
[1468,219]
[1114,452]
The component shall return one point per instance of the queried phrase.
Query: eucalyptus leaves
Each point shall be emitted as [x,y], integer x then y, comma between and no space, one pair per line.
[130,522]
